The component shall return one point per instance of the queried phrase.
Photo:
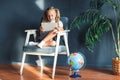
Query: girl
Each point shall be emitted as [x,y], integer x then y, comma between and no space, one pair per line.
[51,15]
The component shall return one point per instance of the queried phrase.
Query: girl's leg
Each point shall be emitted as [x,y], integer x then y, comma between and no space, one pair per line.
[50,35]
[50,43]
[48,40]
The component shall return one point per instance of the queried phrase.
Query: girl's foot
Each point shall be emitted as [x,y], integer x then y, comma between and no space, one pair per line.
[33,43]
[40,45]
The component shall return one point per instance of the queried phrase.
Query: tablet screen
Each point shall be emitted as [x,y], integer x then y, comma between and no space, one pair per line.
[48,26]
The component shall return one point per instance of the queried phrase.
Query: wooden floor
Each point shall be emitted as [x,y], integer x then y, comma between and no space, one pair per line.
[11,72]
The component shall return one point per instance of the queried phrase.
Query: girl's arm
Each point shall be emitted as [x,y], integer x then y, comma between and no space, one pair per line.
[60,26]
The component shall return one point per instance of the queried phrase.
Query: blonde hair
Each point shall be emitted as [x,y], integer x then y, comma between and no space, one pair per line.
[57,19]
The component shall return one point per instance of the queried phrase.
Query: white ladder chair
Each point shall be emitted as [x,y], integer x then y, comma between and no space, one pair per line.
[52,51]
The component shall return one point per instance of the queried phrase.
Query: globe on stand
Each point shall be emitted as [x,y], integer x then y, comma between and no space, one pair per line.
[76,62]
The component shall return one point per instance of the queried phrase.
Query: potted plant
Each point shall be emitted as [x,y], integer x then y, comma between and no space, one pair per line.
[99,24]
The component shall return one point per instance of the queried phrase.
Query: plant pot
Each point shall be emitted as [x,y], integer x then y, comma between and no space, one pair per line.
[116,66]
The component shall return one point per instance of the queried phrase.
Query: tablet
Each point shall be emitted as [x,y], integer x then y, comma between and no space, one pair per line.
[48,26]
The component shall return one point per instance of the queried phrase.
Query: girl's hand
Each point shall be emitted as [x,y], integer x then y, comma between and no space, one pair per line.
[56,29]
[41,29]
[59,28]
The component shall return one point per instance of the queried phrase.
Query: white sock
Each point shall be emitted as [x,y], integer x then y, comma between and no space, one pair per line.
[41,44]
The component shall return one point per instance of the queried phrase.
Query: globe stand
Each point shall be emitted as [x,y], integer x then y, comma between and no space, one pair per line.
[75,75]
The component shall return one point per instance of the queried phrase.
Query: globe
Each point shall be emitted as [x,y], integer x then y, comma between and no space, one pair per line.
[76,62]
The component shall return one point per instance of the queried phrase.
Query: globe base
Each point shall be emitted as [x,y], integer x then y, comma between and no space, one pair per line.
[75,75]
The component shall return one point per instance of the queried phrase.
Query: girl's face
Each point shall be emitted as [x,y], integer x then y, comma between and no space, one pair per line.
[51,15]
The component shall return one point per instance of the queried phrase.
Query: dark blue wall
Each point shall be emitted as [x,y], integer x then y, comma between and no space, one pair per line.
[18,15]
